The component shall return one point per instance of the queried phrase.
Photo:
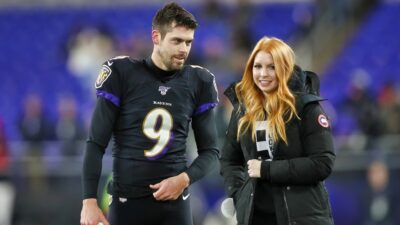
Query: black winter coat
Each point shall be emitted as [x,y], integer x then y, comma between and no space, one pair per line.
[296,173]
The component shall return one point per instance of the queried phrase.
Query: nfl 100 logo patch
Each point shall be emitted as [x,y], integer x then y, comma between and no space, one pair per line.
[163,89]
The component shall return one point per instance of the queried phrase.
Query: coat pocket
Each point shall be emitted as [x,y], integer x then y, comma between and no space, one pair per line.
[305,200]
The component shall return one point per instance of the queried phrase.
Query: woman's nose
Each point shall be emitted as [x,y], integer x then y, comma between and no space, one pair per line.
[263,72]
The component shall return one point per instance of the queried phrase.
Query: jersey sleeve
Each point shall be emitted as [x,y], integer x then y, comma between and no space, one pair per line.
[205,133]
[208,93]
[108,90]
[108,83]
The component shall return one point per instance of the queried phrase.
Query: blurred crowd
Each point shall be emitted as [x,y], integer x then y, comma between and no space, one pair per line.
[368,120]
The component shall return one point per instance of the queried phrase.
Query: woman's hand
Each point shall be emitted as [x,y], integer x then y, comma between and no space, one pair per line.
[254,166]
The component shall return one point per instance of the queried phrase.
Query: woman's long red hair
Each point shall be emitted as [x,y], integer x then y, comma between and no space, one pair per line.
[277,107]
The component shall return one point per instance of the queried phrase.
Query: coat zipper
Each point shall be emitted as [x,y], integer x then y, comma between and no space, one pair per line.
[287,207]
[254,183]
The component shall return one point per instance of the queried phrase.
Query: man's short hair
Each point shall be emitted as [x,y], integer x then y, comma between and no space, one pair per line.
[173,13]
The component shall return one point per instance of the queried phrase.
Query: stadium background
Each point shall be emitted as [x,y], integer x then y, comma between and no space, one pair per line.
[51,50]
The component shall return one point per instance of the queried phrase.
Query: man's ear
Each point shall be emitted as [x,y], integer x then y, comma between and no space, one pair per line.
[155,37]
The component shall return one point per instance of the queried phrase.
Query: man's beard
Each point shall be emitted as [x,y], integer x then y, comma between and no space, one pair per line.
[168,61]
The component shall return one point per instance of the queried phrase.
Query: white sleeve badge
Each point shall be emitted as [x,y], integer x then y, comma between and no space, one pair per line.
[323,121]
[105,72]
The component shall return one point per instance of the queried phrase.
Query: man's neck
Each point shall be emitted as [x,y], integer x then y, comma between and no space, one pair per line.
[157,61]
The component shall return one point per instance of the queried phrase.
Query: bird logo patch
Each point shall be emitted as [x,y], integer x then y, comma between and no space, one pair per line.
[163,90]
[323,121]
[105,72]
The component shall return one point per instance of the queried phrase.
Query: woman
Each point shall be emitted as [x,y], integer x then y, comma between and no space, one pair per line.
[278,149]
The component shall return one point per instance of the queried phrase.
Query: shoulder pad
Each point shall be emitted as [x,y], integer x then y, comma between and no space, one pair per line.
[203,73]
[200,68]
[230,92]
[115,59]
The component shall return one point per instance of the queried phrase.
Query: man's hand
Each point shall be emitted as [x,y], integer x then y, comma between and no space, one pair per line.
[254,166]
[171,188]
[91,214]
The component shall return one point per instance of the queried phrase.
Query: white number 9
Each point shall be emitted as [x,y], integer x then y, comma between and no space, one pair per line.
[160,131]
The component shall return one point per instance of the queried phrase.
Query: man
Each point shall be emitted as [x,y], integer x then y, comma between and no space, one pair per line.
[147,107]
